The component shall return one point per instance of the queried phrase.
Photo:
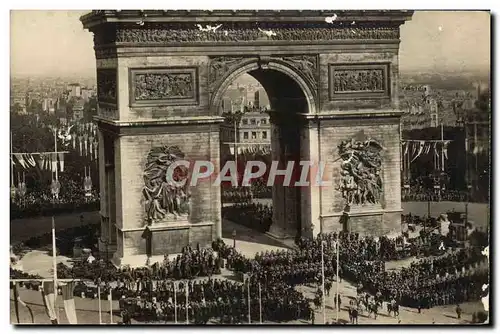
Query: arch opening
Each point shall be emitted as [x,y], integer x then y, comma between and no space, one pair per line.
[263,134]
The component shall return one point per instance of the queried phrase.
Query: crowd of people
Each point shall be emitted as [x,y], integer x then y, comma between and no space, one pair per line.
[37,202]
[236,195]
[148,293]
[256,216]
[454,278]
[216,300]
[419,194]
[191,263]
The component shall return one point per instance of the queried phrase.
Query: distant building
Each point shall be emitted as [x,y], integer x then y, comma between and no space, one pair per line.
[75,90]
[78,108]
[49,105]
[252,132]
[260,99]
[255,128]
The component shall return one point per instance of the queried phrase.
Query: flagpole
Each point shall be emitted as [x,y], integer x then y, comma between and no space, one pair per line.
[55,150]
[110,297]
[235,145]
[99,301]
[323,280]
[338,279]
[476,148]
[11,165]
[187,302]
[466,173]
[442,148]
[54,267]
[260,304]
[175,303]
[249,309]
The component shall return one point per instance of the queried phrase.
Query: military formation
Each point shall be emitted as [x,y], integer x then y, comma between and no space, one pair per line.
[178,289]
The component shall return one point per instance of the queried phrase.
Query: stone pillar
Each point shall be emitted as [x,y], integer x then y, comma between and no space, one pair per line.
[310,195]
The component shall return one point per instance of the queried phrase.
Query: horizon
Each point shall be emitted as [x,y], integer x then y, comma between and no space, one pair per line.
[441,42]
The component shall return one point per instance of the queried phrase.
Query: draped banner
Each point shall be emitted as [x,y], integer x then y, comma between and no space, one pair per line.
[420,150]
[17,301]
[61,161]
[69,302]
[49,300]
[80,144]
[95,150]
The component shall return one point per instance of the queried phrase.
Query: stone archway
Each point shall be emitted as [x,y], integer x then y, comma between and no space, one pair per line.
[160,75]
[290,93]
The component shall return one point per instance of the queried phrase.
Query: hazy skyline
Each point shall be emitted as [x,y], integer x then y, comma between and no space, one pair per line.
[54,43]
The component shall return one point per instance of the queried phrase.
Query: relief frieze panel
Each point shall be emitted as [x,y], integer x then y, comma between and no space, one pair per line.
[220,67]
[231,33]
[359,81]
[307,65]
[164,86]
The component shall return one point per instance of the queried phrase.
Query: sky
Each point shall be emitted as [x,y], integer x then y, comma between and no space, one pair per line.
[54,43]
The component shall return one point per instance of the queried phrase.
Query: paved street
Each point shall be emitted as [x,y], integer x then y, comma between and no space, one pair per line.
[248,242]
[87,310]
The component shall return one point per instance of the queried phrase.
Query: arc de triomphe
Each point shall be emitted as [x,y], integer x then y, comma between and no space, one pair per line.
[331,77]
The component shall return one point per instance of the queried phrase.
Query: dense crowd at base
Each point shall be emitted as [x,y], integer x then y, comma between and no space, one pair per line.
[216,300]
[256,216]
[417,194]
[147,293]
[41,203]
[463,271]
[191,263]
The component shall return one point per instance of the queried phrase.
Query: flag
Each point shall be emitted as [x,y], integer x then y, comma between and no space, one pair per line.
[49,300]
[413,148]
[80,144]
[69,302]
[74,140]
[17,301]
[41,161]
[407,147]
[91,144]
[445,148]
[20,158]
[54,161]
[61,161]
[427,148]
[30,160]
[420,149]
[95,150]
[85,140]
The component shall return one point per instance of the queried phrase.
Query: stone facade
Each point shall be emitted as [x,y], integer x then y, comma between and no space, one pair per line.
[171,72]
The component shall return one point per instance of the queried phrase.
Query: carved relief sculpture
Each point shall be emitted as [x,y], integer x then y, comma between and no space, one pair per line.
[169,85]
[308,66]
[164,197]
[232,33]
[106,85]
[156,86]
[220,66]
[359,81]
[360,178]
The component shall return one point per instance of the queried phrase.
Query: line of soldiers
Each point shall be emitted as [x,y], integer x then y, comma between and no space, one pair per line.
[189,264]
[217,300]
[253,215]
[449,281]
